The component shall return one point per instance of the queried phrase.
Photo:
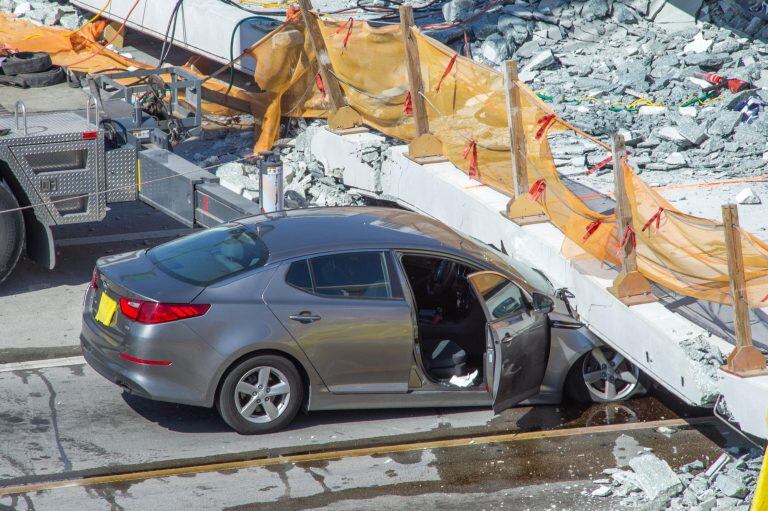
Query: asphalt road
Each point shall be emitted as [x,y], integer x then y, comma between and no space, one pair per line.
[65,423]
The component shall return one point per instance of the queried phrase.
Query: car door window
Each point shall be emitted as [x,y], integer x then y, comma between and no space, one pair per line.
[502,297]
[354,274]
[298,276]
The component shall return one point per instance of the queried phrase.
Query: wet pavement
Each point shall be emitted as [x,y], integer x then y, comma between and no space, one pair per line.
[66,422]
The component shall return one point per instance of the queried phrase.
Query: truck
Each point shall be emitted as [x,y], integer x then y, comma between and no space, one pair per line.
[66,166]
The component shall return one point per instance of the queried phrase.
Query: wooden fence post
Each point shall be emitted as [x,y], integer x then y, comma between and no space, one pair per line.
[425,148]
[629,286]
[521,208]
[745,360]
[342,116]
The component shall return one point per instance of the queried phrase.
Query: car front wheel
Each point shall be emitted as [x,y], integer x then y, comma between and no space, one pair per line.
[603,376]
[260,394]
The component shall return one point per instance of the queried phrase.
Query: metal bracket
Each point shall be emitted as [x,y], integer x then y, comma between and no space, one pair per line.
[21,104]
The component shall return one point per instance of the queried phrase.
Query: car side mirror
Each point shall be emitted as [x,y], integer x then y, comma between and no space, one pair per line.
[542,303]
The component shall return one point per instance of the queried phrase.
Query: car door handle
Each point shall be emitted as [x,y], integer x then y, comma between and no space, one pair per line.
[506,339]
[305,317]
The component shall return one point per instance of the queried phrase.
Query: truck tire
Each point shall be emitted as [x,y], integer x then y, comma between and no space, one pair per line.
[52,76]
[11,232]
[26,62]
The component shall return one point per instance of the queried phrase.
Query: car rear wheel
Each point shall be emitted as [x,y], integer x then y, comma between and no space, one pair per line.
[261,394]
[604,376]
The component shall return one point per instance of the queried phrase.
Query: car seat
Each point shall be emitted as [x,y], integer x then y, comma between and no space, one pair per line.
[446,360]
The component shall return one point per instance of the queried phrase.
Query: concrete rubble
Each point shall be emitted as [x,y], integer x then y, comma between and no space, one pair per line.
[307,181]
[49,13]
[646,482]
[629,65]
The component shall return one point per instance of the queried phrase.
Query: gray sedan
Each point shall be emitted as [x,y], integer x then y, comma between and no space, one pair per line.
[339,308]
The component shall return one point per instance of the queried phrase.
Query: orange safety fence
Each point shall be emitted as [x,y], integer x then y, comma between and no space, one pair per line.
[466,106]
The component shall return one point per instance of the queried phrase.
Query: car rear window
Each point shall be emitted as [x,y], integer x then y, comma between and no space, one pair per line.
[211,255]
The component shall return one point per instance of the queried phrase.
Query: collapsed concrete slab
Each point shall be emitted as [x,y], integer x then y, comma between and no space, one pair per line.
[675,352]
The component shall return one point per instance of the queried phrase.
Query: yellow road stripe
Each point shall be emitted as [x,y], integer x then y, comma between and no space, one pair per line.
[350,453]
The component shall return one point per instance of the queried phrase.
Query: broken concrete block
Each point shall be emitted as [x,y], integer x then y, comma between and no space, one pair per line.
[748,196]
[495,49]
[731,487]
[457,10]
[655,477]
[651,110]
[678,160]
[22,9]
[602,491]
[698,45]
[541,60]
[678,15]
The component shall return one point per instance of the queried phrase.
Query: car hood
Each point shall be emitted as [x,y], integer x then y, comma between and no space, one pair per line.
[134,275]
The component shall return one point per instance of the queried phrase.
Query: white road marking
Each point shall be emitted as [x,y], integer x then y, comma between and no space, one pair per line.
[41,364]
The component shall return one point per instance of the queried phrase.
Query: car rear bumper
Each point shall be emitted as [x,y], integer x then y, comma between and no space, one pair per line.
[185,381]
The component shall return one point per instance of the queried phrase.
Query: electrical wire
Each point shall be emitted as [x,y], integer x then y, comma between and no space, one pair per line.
[232,45]
[169,29]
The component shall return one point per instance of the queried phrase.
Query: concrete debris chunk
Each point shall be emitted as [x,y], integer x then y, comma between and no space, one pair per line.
[698,45]
[748,196]
[541,60]
[602,491]
[654,477]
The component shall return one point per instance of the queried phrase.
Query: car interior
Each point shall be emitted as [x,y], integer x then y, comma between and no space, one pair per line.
[451,320]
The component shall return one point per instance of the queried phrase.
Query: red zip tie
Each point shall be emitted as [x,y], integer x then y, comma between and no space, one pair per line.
[600,165]
[467,47]
[537,190]
[470,153]
[629,237]
[408,105]
[348,24]
[544,123]
[319,82]
[591,228]
[293,13]
[447,70]
[655,218]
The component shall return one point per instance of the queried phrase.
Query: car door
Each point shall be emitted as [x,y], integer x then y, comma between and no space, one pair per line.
[517,340]
[348,314]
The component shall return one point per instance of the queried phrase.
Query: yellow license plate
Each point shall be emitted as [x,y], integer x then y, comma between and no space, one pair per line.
[106,311]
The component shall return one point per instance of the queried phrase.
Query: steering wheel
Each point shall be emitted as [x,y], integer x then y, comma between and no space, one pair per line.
[442,277]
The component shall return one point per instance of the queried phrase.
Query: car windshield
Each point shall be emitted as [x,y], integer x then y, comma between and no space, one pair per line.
[532,276]
[211,255]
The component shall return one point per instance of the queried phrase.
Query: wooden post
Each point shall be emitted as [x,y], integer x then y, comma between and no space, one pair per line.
[425,148]
[630,286]
[342,117]
[521,208]
[745,360]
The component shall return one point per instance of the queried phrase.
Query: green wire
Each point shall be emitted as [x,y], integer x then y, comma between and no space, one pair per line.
[232,46]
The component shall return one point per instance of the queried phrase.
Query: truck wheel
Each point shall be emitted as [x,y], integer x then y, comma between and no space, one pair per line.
[11,232]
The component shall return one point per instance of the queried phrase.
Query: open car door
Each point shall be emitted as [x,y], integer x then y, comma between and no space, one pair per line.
[518,338]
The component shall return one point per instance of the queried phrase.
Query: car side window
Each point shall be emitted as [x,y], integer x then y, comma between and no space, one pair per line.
[502,297]
[354,274]
[298,276]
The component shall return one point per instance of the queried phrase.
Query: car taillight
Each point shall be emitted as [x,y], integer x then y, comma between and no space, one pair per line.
[95,279]
[152,313]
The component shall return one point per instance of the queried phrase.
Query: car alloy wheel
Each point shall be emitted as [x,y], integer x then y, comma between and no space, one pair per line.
[262,394]
[609,376]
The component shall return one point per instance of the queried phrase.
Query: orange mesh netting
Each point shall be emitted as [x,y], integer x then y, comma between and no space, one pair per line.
[466,105]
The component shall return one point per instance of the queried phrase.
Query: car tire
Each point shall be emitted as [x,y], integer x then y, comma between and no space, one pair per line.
[585,385]
[11,232]
[26,63]
[250,414]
